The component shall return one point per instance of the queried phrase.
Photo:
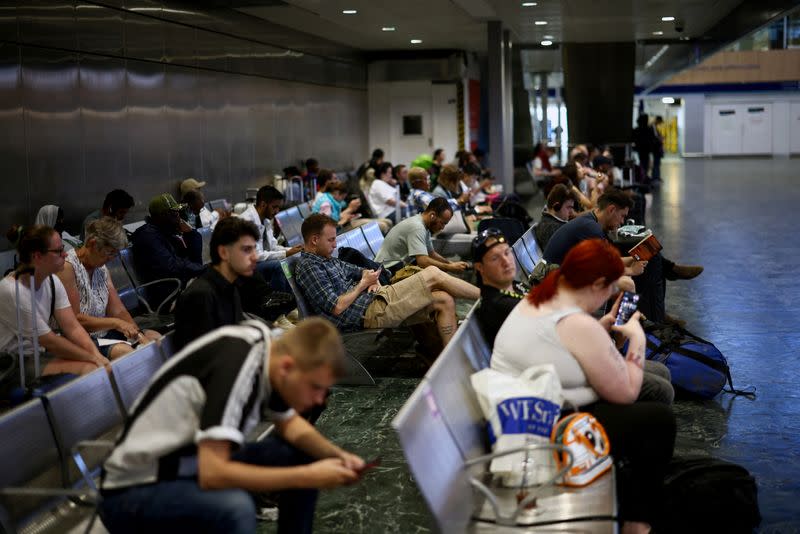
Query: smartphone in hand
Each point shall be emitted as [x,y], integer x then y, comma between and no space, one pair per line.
[368,466]
[627,307]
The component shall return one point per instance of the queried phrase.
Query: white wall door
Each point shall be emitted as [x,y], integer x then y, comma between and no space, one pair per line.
[726,129]
[445,118]
[794,128]
[756,128]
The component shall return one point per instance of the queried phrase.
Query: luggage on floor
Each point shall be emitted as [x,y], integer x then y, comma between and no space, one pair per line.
[698,368]
[708,495]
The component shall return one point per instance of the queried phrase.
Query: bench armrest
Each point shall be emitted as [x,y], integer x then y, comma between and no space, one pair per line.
[165,301]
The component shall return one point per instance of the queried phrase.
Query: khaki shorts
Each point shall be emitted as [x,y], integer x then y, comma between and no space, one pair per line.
[403,303]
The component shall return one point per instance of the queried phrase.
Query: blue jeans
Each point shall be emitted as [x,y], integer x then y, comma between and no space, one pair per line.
[182,506]
[272,272]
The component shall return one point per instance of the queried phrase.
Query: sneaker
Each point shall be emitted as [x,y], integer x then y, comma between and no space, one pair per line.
[685,272]
[283,323]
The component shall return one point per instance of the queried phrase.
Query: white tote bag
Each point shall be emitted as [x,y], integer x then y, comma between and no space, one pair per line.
[520,411]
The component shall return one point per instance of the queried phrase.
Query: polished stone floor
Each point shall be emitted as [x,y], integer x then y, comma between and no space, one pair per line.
[734,217]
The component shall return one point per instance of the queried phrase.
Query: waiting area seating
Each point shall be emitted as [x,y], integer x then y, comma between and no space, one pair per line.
[444,411]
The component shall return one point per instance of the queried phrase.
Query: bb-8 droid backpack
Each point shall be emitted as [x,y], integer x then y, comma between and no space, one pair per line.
[586,439]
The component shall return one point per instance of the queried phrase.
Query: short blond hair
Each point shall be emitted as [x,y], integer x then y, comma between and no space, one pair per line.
[417,174]
[312,343]
[107,233]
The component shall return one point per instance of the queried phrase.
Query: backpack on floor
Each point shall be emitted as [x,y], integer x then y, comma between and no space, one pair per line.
[698,368]
[708,495]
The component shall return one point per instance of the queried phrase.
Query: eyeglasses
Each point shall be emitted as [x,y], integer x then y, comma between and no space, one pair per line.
[58,251]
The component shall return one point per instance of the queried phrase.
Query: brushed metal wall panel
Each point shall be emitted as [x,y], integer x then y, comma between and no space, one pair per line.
[148,133]
[145,37]
[104,127]
[13,164]
[48,23]
[185,125]
[52,129]
[100,29]
[213,101]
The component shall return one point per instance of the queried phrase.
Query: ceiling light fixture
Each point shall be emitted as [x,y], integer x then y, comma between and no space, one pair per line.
[658,33]
[416,41]
[528,4]
[667,19]
[388,28]
[547,43]
[668,100]
[349,11]
[541,22]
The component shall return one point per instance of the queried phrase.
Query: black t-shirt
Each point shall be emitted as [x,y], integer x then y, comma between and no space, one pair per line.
[208,303]
[495,307]
[569,235]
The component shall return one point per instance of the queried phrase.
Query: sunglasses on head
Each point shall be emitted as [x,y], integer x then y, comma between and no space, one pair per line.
[487,234]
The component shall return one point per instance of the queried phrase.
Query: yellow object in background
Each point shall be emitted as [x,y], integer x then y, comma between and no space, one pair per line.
[669,133]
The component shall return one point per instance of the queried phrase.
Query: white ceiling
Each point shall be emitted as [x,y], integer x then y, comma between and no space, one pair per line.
[461,24]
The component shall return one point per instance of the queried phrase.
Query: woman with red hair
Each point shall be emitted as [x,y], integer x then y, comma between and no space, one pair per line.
[554,325]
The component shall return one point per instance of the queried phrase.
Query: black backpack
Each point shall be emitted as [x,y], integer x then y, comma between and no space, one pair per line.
[708,495]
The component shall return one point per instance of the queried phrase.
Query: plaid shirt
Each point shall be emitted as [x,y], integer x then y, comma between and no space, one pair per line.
[420,200]
[323,281]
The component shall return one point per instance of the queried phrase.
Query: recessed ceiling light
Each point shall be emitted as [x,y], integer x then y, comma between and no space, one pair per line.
[388,28]
[349,11]
[549,37]
[416,41]
[658,33]
[528,4]
[667,19]
[547,43]
[540,22]
[668,100]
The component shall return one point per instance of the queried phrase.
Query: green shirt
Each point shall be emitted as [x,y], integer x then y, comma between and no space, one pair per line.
[405,240]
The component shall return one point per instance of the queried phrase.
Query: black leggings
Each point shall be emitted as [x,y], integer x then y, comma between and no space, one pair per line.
[642,437]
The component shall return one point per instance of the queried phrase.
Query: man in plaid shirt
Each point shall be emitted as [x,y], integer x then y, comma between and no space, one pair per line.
[353,298]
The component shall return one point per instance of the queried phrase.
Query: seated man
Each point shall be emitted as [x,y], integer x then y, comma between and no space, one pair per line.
[269,253]
[353,298]
[165,247]
[197,215]
[116,204]
[612,209]
[213,299]
[559,211]
[420,196]
[411,239]
[496,270]
[182,464]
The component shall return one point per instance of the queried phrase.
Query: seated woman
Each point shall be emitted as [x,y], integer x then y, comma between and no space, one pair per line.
[92,294]
[41,253]
[330,202]
[53,216]
[553,325]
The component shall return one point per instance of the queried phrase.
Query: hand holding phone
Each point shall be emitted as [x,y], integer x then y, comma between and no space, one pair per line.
[627,307]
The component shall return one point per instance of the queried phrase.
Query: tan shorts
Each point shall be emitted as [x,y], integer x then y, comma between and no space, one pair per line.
[403,303]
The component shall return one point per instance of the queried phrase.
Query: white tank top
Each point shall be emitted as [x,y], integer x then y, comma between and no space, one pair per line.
[524,341]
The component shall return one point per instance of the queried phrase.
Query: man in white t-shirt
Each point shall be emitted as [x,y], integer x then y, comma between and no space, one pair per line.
[382,194]
[41,254]
[269,253]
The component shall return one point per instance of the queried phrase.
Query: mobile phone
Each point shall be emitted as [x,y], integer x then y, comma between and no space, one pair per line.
[369,465]
[627,307]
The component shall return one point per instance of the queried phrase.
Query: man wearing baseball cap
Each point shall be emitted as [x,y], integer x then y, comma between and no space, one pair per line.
[165,247]
[190,184]
[496,270]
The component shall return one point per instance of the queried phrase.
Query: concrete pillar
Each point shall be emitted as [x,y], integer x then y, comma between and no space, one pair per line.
[544,89]
[598,87]
[499,104]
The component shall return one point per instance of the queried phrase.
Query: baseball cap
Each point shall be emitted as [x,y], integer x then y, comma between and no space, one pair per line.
[190,184]
[479,246]
[163,203]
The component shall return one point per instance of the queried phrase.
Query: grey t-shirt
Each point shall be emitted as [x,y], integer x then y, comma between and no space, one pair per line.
[407,239]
